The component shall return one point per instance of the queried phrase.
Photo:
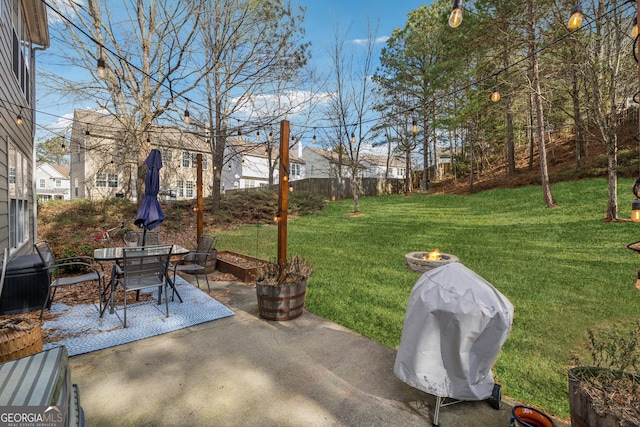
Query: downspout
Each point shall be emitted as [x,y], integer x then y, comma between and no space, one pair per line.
[32,101]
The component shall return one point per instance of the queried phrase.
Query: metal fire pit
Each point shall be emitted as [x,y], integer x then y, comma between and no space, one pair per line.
[415,261]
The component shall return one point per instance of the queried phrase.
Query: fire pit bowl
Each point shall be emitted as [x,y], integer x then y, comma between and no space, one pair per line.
[418,262]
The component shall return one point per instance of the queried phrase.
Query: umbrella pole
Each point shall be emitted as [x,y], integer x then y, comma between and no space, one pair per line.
[144,236]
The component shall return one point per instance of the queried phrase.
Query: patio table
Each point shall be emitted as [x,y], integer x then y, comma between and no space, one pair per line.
[117,254]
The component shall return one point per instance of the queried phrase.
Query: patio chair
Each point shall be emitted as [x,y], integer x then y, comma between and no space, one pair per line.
[59,272]
[5,260]
[144,267]
[195,263]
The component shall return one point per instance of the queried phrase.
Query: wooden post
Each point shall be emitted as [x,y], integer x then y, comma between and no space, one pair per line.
[200,206]
[283,189]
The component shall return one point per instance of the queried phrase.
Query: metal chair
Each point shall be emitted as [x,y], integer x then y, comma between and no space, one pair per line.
[195,263]
[57,270]
[144,267]
[5,260]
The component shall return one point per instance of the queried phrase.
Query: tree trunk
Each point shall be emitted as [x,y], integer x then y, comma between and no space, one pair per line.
[532,139]
[511,156]
[544,173]
[577,119]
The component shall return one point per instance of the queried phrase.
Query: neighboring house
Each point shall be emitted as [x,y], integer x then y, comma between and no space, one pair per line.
[103,165]
[247,165]
[382,167]
[23,31]
[325,164]
[52,182]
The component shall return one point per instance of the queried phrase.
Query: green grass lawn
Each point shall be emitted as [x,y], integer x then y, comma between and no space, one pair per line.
[564,269]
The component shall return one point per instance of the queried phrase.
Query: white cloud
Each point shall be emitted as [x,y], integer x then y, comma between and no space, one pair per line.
[289,102]
[364,42]
[64,8]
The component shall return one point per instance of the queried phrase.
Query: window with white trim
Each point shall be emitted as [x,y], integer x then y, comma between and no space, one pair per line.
[295,170]
[107,180]
[21,49]
[186,159]
[18,198]
[58,182]
[43,183]
[180,186]
[189,186]
[167,154]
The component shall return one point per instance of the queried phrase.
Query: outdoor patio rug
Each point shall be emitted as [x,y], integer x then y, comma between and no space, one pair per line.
[83,331]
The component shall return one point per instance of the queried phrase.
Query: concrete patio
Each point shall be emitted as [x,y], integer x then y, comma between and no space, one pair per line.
[243,370]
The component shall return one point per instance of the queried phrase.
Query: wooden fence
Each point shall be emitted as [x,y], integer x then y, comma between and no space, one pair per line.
[339,188]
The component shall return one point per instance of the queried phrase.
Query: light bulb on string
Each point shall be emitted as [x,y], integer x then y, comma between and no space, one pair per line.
[18,118]
[455,19]
[101,68]
[495,95]
[576,16]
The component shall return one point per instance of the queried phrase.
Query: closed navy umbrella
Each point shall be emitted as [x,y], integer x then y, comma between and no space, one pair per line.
[150,213]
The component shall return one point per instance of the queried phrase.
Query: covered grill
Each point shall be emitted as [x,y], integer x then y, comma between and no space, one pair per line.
[455,325]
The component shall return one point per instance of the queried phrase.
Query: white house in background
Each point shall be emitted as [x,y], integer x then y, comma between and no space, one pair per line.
[52,182]
[382,167]
[103,165]
[327,164]
[247,165]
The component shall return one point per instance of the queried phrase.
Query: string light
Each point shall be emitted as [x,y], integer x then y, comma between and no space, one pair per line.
[313,140]
[495,95]
[102,66]
[187,117]
[258,136]
[18,119]
[576,16]
[270,137]
[455,19]
[63,146]
[353,138]
[634,30]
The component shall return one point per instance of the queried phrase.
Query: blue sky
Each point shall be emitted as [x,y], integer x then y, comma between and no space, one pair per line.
[322,16]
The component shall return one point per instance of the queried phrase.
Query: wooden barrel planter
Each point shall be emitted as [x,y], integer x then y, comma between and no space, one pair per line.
[285,302]
[583,412]
[19,338]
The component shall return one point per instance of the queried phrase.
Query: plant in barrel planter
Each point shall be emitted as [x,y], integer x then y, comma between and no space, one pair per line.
[281,289]
[604,387]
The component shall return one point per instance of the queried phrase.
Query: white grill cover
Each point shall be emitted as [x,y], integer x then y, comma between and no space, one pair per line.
[454,327]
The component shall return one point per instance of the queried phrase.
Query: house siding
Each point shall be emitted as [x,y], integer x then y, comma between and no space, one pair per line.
[21,136]
[106,150]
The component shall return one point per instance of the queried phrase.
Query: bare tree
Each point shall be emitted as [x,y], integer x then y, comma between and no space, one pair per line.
[537,101]
[352,98]
[146,56]
[252,48]
[608,54]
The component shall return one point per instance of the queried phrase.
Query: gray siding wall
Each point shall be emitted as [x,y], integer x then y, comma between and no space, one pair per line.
[21,136]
